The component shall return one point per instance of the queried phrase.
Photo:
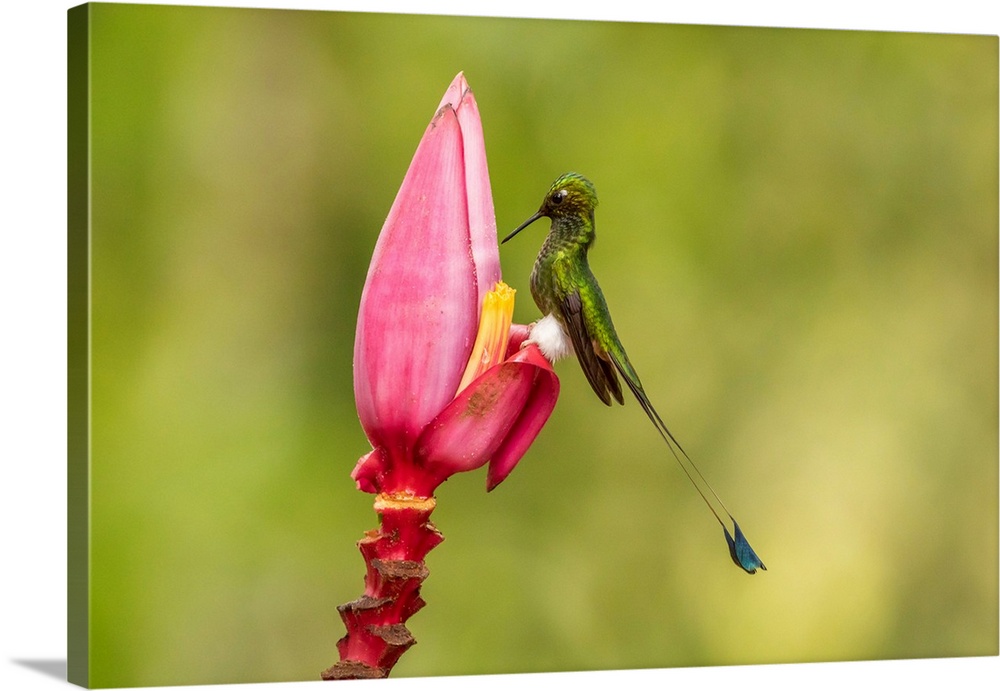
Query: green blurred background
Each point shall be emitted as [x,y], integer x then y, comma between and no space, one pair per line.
[798,241]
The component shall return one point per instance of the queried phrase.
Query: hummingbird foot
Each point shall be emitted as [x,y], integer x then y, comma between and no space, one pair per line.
[527,340]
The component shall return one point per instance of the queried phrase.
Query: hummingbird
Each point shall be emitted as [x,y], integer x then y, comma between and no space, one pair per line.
[577,321]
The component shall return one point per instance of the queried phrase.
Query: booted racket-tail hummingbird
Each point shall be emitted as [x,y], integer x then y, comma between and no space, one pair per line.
[576,320]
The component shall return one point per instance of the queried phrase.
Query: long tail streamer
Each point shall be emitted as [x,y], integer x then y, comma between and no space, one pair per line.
[739,548]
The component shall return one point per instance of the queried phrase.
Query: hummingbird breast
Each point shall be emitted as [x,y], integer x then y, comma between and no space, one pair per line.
[556,268]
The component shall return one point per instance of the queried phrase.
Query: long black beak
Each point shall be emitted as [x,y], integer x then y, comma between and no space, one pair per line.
[522,226]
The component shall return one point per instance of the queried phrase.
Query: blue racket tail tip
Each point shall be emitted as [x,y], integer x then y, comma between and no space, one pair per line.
[741,551]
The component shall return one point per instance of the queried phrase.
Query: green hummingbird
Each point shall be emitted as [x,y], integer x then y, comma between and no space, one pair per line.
[577,321]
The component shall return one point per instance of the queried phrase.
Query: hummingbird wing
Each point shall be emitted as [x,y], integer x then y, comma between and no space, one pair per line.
[599,372]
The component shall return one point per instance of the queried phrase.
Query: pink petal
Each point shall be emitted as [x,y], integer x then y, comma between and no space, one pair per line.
[482,218]
[454,93]
[533,416]
[419,308]
[468,431]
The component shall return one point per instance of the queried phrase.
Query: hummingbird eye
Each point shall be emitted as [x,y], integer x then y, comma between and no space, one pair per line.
[559,196]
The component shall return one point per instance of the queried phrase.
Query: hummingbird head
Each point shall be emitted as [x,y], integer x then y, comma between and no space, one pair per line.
[571,196]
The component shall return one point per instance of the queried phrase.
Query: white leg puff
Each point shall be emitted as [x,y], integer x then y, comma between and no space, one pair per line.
[547,333]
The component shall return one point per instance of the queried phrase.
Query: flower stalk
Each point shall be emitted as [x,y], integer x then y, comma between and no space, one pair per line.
[394,555]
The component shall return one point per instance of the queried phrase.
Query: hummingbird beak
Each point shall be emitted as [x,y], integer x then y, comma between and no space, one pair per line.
[523,226]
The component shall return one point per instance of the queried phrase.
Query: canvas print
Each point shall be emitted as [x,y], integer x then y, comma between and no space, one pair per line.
[543,345]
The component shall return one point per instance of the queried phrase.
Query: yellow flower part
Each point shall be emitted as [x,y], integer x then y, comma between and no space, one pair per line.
[494,329]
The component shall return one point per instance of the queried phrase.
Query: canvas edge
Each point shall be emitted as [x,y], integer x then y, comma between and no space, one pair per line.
[78,345]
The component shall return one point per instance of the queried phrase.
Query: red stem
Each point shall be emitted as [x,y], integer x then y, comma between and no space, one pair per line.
[394,557]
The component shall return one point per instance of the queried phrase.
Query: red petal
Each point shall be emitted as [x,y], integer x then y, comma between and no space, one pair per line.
[470,429]
[518,334]
[367,470]
[534,414]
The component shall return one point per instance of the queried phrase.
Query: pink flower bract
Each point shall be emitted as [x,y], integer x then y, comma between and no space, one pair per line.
[435,261]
